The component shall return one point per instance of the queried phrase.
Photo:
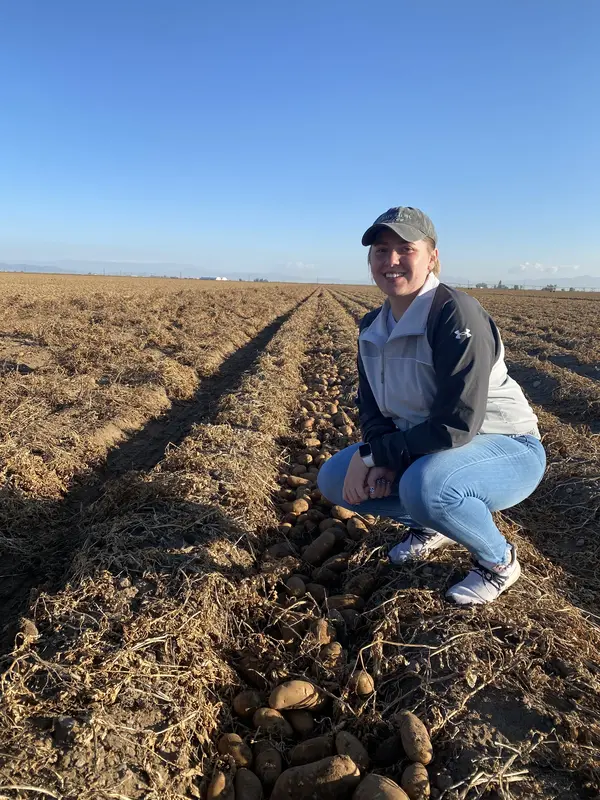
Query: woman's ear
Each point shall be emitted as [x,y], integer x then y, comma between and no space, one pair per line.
[433,259]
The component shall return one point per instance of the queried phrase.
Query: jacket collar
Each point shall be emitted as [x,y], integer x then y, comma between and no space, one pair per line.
[412,323]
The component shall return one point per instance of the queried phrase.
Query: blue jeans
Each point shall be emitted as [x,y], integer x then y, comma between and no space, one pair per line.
[454,491]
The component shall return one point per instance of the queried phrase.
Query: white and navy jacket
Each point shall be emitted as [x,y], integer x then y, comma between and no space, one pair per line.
[436,380]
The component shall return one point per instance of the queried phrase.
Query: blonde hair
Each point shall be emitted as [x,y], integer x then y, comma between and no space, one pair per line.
[436,264]
[430,244]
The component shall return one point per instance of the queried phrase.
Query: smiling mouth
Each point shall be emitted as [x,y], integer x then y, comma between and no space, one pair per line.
[392,275]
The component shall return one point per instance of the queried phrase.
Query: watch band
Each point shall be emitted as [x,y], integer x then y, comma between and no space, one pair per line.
[366,455]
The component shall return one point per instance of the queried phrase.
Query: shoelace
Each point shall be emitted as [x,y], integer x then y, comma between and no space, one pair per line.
[422,536]
[494,578]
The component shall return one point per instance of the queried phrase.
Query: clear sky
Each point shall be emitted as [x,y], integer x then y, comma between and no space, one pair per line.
[267,136]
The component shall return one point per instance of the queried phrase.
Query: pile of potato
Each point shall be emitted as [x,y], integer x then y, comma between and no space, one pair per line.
[325,767]
[281,757]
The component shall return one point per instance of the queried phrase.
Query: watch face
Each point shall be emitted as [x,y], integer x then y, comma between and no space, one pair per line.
[364,450]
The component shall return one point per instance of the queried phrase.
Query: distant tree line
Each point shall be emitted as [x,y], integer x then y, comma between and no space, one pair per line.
[550,287]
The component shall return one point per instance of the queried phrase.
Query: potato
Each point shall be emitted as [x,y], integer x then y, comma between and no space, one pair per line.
[332,778]
[319,549]
[337,563]
[361,583]
[324,575]
[312,442]
[280,550]
[315,515]
[305,458]
[295,586]
[361,683]
[308,424]
[323,631]
[295,481]
[296,694]
[245,703]
[415,738]
[271,721]
[298,469]
[328,523]
[331,408]
[301,721]
[318,592]
[230,744]
[344,514]
[357,529]
[377,787]
[220,787]
[353,601]
[415,782]
[312,750]
[251,668]
[332,655]
[340,419]
[348,745]
[309,406]
[296,507]
[351,618]
[267,763]
[247,785]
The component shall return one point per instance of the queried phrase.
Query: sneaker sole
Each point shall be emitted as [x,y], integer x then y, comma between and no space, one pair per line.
[478,601]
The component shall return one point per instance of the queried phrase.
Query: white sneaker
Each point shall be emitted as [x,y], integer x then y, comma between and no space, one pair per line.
[417,545]
[483,585]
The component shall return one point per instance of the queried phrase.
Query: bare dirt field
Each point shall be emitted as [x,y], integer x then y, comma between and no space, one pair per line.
[159,447]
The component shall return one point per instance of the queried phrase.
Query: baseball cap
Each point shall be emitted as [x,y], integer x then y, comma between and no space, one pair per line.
[409,223]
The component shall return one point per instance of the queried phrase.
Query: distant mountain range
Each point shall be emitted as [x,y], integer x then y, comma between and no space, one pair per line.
[71,267]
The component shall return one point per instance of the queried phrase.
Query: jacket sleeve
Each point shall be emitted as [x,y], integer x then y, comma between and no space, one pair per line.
[465,345]
[372,422]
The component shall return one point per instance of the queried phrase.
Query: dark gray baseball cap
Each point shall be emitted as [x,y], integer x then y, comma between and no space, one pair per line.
[409,223]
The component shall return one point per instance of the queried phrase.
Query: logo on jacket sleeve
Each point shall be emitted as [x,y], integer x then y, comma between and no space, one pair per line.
[460,335]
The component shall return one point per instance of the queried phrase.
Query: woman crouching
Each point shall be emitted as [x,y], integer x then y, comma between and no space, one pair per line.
[448,436]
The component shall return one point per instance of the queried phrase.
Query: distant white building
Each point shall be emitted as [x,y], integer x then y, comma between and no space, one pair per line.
[222,279]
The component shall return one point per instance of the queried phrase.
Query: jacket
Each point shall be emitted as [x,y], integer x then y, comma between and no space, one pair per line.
[437,380]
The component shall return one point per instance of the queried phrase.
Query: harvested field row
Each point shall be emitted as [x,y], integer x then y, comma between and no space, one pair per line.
[127,662]
[572,397]
[356,310]
[85,361]
[47,475]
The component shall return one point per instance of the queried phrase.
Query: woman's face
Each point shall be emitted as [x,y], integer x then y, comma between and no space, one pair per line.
[400,268]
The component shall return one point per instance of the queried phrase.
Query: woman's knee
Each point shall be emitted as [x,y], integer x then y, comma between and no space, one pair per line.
[330,481]
[421,489]
[332,475]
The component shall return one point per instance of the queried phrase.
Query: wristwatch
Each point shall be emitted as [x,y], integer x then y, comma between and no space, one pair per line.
[367,456]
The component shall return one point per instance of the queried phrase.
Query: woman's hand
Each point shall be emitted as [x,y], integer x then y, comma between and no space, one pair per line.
[355,490]
[379,482]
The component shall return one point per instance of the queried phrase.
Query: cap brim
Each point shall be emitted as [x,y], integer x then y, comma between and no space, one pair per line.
[406,232]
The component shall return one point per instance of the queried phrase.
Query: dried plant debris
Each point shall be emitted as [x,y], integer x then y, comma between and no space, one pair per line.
[218,629]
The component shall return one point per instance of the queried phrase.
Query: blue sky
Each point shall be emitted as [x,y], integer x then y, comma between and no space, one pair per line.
[265,137]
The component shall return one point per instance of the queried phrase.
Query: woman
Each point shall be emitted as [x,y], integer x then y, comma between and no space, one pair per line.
[448,436]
